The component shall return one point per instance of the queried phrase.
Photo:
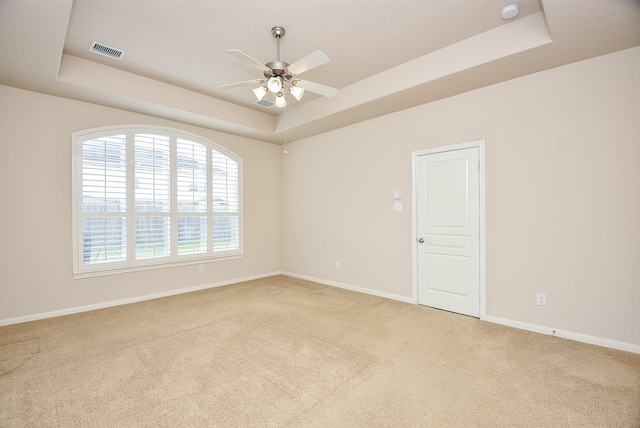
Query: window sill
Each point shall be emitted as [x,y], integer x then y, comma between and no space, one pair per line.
[154,266]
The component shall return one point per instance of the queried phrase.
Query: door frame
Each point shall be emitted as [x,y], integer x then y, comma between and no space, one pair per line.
[480,144]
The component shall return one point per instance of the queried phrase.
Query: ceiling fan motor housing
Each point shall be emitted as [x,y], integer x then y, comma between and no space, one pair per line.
[278,68]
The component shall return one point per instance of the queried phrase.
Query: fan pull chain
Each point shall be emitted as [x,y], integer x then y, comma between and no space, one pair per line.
[285,132]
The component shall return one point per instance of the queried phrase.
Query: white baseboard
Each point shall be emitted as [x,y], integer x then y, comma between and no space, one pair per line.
[607,343]
[70,311]
[593,340]
[353,288]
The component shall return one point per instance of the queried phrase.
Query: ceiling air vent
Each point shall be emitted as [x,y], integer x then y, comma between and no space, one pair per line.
[265,103]
[105,50]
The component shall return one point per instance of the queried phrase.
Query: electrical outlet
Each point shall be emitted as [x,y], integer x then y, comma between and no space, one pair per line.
[201,267]
[541,299]
[338,265]
[320,263]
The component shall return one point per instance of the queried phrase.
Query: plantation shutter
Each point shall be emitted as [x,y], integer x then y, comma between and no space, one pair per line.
[225,202]
[150,196]
[192,197]
[104,198]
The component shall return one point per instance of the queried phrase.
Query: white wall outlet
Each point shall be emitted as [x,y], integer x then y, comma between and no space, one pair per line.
[320,263]
[201,267]
[338,265]
[397,206]
[541,299]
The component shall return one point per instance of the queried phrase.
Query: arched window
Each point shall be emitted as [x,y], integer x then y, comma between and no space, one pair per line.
[145,197]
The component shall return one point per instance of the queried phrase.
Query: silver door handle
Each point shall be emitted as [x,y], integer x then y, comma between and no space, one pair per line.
[421,240]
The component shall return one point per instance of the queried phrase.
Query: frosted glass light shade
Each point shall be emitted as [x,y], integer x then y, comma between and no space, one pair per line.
[260,92]
[275,84]
[280,102]
[297,92]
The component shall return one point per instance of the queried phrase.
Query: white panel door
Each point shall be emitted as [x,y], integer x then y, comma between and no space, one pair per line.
[448,228]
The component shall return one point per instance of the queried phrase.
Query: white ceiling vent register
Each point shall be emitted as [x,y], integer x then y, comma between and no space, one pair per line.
[105,50]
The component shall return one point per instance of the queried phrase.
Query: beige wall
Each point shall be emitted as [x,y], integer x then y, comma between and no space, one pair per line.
[563,200]
[563,196]
[35,209]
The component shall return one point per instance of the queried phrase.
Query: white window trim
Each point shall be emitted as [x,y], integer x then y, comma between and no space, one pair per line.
[84,271]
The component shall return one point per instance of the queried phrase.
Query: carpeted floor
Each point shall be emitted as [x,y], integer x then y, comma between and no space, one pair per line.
[283,352]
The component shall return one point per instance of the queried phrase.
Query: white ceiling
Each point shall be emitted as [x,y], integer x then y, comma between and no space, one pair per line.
[385,56]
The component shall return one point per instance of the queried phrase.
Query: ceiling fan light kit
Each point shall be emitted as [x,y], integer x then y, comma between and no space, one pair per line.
[260,92]
[280,101]
[278,73]
[296,91]
[275,84]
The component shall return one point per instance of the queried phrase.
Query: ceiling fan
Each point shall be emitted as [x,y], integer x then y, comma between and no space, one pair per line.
[277,74]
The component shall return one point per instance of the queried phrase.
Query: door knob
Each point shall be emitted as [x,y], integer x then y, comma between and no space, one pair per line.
[421,240]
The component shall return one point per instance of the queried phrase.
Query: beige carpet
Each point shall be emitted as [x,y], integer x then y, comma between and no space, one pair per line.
[283,352]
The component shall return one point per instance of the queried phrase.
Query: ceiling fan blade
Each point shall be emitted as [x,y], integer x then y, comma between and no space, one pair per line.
[310,61]
[317,88]
[248,60]
[246,82]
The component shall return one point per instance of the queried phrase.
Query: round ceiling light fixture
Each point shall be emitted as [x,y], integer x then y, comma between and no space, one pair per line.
[510,11]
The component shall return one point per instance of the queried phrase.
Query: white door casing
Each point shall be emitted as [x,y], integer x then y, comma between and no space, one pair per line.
[449,233]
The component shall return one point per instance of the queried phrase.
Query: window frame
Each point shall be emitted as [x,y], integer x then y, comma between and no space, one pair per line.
[131,264]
